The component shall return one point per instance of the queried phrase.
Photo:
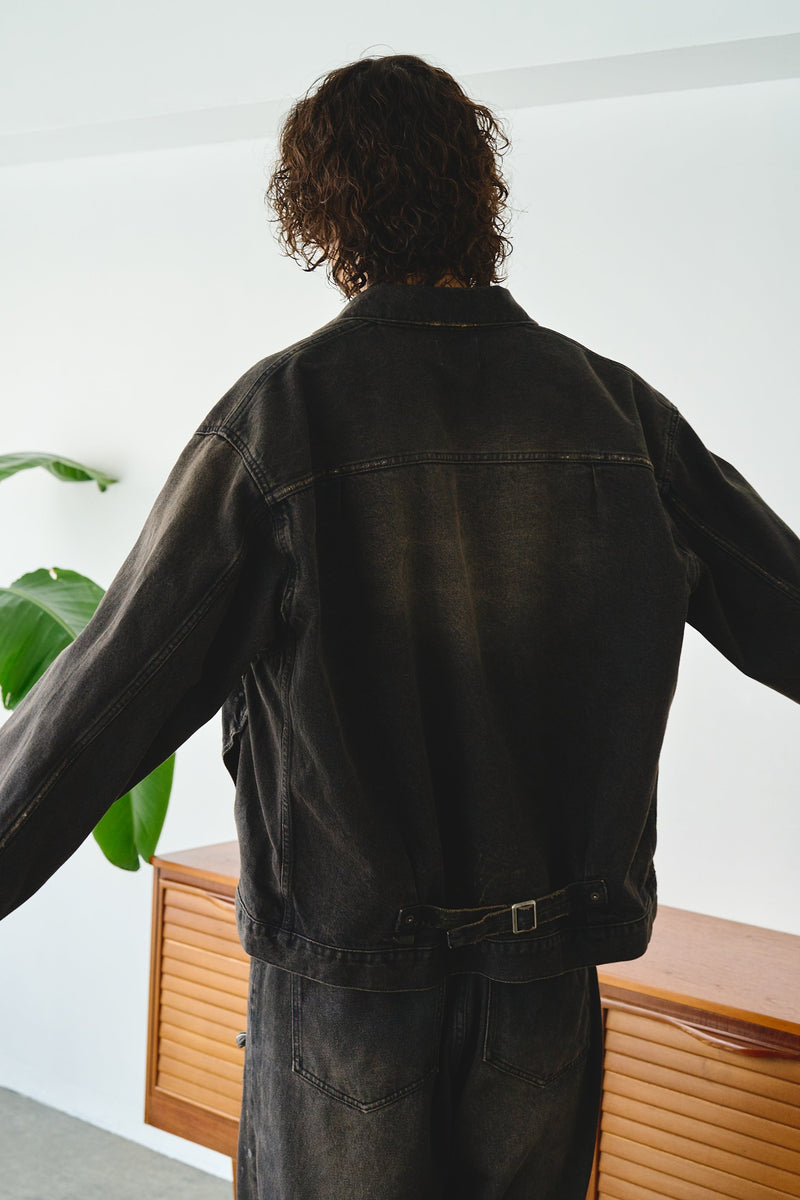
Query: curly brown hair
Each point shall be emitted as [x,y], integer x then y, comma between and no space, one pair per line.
[392,172]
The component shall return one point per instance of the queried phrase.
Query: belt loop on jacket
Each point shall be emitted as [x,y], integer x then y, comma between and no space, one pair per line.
[465,926]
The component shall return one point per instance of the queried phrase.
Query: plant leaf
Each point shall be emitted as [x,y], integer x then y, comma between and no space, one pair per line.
[40,614]
[132,825]
[62,468]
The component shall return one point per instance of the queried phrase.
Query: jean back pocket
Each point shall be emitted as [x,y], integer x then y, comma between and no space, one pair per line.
[366,1049]
[539,1029]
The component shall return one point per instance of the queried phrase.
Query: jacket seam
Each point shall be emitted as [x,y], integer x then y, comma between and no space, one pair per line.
[240,447]
[329,949]
[669,456]
[279,522]
[332,329]
[662,400]
[367,466]
[664,486]
[734,552]
[375,320]
[287,858]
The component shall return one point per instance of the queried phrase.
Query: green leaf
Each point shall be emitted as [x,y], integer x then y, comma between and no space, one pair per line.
[62,468]
[40,614]
[132,826]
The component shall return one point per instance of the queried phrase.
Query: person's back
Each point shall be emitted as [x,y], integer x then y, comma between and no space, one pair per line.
[434,562]
[482,578]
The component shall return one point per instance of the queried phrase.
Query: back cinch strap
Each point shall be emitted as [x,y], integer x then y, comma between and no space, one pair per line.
[467,925]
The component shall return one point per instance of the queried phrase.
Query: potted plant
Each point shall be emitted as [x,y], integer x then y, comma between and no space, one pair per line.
[40,614]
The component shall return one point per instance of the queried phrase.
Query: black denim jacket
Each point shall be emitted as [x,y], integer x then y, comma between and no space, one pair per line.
[434,562]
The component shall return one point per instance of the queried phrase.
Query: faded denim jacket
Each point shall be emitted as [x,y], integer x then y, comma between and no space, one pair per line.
[434,563]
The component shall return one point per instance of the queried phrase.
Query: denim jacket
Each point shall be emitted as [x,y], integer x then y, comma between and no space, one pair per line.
[434,563]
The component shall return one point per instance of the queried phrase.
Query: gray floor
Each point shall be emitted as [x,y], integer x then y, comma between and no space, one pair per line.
[47,1155]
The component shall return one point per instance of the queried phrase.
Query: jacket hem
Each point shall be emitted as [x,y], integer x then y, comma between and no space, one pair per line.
[409,968]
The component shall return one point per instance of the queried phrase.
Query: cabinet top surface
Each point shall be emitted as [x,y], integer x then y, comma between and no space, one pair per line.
[703,961]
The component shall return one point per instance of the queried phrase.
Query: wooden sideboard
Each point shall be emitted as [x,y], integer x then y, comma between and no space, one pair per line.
[701,1084]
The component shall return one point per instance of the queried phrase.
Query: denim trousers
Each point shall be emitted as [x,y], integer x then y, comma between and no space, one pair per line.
[470,1090]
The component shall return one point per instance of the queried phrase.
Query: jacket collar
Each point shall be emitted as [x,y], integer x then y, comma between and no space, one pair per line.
[428,305]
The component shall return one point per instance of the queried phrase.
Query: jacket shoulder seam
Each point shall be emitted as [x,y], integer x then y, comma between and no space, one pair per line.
[662,400]
[240,448]
[669,450]
[332,329]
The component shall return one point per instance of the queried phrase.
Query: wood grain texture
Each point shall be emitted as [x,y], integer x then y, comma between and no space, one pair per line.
[680,1117]
[218,863]
[741,971]
[676,1178]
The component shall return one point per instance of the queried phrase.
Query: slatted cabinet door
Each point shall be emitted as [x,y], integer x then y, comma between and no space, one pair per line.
[686,1116]
[198,1006]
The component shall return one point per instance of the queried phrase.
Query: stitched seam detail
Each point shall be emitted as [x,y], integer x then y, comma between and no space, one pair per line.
[403,460]
[594,355]
[438,324]
[734,552]
[250,463]
[672,441]
[325,1086]
[496,1060]
[362,1105]
[321,335]
[394,953]
[324,948]
[500,1064]
[287,857]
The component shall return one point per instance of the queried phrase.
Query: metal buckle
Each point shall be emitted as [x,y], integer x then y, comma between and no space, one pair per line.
[515,908]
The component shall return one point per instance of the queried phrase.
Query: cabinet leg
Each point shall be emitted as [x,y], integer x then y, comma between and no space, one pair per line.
[233,1160]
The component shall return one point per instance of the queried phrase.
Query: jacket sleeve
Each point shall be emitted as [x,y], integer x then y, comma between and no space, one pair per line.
[746,589]
[197,598]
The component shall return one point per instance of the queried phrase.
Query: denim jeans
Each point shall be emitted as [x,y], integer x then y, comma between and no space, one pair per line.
[470,1090]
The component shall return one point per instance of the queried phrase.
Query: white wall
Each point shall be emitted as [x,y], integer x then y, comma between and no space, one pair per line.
[90,60]
[658,230]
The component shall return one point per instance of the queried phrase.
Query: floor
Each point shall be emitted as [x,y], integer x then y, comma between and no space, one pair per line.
[47,1155]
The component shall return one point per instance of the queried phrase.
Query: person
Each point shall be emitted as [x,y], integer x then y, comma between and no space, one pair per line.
[433,562]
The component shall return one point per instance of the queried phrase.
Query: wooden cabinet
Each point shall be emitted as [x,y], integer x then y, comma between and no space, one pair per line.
[701,1090]
[198,998]
[701,1081]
